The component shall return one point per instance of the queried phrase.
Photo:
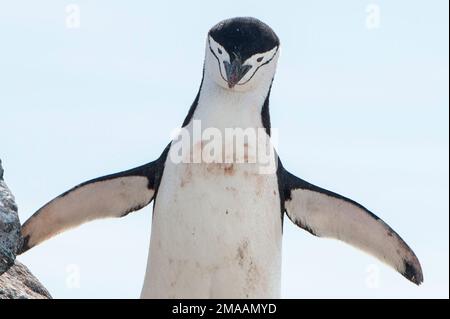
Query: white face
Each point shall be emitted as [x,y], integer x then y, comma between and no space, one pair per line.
[256,71]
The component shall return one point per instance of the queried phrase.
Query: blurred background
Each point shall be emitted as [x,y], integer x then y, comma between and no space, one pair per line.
[360,100]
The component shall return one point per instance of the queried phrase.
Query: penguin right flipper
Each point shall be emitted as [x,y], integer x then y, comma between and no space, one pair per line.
[327,214]
[113,195]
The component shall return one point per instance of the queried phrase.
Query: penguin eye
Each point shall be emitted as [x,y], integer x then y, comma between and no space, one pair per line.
[219,51]
[259,59]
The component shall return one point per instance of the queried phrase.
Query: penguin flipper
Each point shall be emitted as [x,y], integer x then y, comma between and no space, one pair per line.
[327,214]
[113,195]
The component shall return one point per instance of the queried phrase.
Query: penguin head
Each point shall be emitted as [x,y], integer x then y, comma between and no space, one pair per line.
[241,54]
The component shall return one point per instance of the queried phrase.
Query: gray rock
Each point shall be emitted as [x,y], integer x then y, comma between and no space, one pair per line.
[16,281]
[19,283]
[10,239]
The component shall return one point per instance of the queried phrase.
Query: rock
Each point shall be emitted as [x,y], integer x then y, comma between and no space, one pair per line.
[16,281]
[19,283]
[10,239]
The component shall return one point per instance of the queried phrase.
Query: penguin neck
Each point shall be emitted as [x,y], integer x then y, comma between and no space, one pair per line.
[222,108]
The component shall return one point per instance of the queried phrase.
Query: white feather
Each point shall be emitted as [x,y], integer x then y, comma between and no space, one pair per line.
[108,198]
[328,216]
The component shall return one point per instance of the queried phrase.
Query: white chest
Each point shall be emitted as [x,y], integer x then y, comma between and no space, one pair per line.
[216,232]
[216,229]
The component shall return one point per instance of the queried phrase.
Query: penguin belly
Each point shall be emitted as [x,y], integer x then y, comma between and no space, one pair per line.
[216,233]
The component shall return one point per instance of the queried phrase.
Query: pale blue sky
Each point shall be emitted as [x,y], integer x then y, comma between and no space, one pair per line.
[362,112]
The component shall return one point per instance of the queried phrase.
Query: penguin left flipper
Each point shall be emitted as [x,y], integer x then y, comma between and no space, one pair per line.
[327,214]
[113,195]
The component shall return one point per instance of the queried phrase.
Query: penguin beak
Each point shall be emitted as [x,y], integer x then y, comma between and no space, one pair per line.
[235,71]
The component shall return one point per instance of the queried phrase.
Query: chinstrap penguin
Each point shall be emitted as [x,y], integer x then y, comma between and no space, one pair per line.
[217,225]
